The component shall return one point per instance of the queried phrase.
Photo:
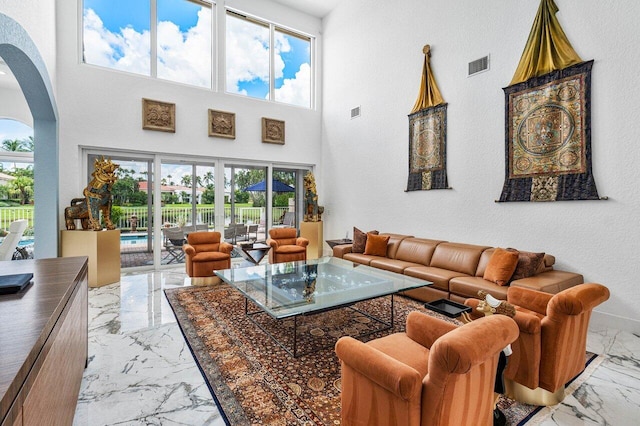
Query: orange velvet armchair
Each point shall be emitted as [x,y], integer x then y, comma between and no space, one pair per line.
[435,373]
[206,253]
[286,246]
[551,347]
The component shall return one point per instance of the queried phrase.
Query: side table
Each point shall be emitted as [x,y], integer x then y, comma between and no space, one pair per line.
[254,252]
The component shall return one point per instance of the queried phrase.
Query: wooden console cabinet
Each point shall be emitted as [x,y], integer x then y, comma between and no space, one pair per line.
[43,342]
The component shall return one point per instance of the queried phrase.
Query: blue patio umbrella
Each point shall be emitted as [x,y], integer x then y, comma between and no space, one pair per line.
[277,186]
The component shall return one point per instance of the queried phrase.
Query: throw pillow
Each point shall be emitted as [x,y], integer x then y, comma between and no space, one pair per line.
[528,265]
[501,266]
[360,240]
[376,245]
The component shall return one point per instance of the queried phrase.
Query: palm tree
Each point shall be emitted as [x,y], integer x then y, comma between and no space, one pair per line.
[208,177]
[13,145]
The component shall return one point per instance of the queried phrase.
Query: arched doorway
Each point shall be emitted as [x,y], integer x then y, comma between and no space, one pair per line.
[22,56]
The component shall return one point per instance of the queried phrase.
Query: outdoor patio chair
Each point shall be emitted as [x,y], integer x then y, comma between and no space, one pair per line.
[173,241]
[252,229]
[11,240]
[288,220]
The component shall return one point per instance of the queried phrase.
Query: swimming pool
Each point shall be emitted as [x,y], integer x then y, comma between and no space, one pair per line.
[126,239]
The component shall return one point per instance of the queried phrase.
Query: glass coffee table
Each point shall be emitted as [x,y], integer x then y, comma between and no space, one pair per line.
[294,289]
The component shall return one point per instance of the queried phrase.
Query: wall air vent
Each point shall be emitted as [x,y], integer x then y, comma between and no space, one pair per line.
[478,66]
[355,112]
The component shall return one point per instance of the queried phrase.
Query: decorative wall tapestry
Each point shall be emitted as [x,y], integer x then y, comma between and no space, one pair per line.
[548,119]
[428,134]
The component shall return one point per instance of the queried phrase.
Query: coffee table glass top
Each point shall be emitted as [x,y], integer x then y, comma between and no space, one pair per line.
[296,288]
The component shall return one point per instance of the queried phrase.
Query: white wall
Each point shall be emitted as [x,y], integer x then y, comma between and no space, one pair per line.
[37,17]
[102,108]
[13,105]
[373,58]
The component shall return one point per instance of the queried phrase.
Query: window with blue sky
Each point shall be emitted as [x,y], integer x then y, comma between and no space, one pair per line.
[248,71]
[119,34]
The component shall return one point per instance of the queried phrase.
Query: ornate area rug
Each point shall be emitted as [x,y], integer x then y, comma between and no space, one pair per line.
[254,381]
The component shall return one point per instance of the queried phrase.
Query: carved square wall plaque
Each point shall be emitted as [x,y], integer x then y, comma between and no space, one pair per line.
[157,115]
[222,124]
[272,131]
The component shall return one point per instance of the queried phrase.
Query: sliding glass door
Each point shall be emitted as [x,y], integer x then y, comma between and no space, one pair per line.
[187,193]
[245,215]
[132,209]
[251,198]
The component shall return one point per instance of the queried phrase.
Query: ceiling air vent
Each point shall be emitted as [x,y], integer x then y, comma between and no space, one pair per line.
[355,112]
[479,65]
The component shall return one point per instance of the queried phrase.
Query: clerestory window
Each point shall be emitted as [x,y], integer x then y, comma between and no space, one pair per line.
[267,62]
[167,39]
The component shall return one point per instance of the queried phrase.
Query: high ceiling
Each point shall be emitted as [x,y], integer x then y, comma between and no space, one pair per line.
[319,8]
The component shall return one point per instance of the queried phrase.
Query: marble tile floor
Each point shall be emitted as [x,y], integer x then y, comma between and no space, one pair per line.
[141,371]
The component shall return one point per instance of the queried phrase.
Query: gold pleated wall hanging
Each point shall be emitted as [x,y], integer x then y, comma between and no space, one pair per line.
[428,134]
[548,118]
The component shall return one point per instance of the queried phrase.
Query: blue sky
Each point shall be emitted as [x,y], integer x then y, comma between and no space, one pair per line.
[116,35]
[116,14]
[12,129]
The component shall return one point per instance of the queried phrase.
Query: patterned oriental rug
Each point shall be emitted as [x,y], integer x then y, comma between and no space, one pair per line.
[254,381]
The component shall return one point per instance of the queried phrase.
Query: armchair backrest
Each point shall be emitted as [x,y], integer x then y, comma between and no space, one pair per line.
[564,333]
[462,369]
[204,241]
[284,236]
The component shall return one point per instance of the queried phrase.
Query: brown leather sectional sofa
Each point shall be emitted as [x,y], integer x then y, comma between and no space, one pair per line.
[455,269]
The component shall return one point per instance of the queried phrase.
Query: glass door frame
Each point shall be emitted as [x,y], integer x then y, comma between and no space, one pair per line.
[219,163]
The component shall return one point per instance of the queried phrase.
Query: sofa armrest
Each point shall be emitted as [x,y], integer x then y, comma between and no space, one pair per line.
[341,250]
[550,281]
[532,300]
[398,378]
[189,249]
[425,329]
[302,242]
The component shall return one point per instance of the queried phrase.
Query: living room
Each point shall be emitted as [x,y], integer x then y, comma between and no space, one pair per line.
[368,55]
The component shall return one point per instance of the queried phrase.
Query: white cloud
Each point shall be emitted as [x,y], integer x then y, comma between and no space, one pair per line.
[183,57]
[296,91]
[247,53]
[127,51]
[186,57]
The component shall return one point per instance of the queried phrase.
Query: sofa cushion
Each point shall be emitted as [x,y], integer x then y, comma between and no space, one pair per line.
[394,243]
[360,240]
[416,250]
[457,257]
[393,265]
[361,258]
[528,265]
[438,276]
[376,245]
[501,266]
[468,287]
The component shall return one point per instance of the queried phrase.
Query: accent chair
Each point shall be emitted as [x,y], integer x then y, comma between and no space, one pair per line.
[206,253]
[435,373]
[550,350]
[286,246]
